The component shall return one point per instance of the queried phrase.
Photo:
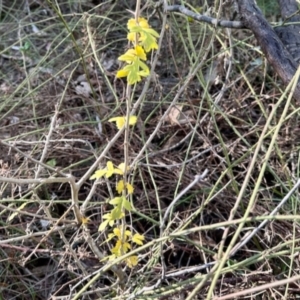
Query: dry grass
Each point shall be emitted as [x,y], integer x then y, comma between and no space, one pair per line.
[233,123]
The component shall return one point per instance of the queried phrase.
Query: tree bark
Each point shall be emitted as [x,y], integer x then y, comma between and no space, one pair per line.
[290,34]
[277,55]
[289,8]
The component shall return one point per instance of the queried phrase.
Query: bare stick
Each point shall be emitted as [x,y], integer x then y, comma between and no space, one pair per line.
[162,224]
[206,19]
[183,192]
[247,237]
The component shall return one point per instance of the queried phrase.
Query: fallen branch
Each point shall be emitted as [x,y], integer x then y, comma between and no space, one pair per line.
[206,19]
[277,55]
[252,18]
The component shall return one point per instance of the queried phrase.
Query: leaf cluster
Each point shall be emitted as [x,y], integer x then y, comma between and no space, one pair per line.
[144,39]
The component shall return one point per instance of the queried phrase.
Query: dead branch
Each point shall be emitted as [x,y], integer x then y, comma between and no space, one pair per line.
[281,58]
[206,19]
[277,55]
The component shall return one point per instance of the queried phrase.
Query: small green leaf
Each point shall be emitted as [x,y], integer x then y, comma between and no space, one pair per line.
[51,162]
[132,261]
[117,213]
[116,201]
[103,225]
[122,73]
[148,42]
[120,186]
[98,174]
[110,169]
[127,205]
[130,188]
[25,47]
[138,239]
